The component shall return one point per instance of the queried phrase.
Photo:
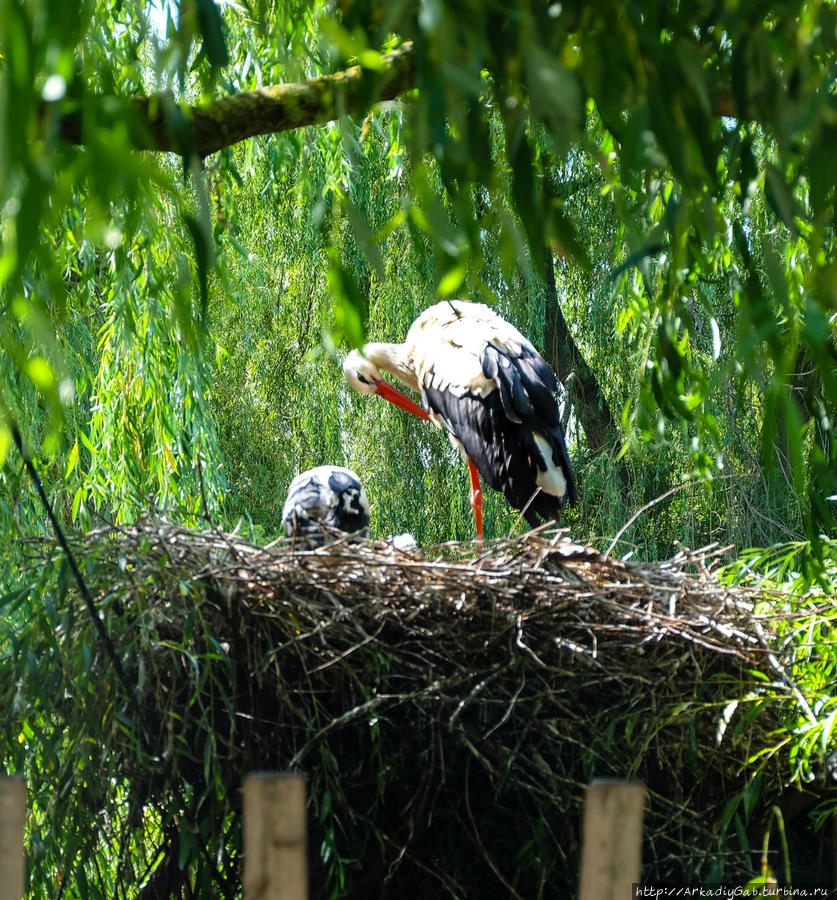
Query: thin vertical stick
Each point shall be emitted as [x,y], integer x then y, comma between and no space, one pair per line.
[612,839]
[12,814]
[275,837]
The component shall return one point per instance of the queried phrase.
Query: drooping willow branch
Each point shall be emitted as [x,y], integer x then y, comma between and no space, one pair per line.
[71,561]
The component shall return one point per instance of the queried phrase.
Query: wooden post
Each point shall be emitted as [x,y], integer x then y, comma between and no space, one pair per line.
[275,837]
[612,839]
[12,815]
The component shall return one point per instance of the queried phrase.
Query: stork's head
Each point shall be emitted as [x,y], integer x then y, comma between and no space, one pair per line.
[362,375]
[365,377]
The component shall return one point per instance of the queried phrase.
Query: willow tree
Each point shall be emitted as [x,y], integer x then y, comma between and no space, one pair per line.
[202,204]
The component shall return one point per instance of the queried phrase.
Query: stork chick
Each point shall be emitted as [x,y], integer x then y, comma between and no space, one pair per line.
[324,498]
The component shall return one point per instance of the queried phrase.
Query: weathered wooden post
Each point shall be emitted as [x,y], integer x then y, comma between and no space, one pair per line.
[12,815]
[611,839]
[275,837]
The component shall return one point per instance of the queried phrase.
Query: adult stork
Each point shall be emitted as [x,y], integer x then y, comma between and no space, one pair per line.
[483,382]
[322,499]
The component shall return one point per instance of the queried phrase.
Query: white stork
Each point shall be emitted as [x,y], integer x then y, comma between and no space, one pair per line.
[482,381]
[326,497]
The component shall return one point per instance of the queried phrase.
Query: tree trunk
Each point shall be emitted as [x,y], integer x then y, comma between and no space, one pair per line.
[582,386]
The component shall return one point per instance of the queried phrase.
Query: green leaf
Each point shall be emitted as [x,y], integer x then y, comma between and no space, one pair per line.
[451,281]
[212,29]
[5,443]
[81,881]
[796,432]
[203,255]
[78,496]
[71,461]
[208,757]
[187,844]
[371,59]
[350,306]
[40,371]
[779,197]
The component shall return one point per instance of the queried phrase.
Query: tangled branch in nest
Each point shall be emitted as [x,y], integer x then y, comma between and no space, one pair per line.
[448,710]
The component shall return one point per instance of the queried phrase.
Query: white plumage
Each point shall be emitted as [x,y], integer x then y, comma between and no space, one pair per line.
[405,542]
[482,381]
[324,498]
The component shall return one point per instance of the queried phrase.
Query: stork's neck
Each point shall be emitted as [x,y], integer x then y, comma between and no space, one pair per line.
[393,358]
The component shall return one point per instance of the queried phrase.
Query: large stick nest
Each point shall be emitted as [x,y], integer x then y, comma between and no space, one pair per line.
[448,707]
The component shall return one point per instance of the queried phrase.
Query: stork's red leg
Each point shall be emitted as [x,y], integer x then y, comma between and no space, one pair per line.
[388,392]
[476,496]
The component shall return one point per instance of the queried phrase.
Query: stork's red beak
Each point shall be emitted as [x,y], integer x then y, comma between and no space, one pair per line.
[388,392]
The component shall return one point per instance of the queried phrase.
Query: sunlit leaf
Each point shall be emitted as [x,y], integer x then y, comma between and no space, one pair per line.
[451,282]
[5,442]
[40,371]
[71,461]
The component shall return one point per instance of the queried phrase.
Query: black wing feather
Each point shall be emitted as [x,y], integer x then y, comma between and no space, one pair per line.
[540,383]
[497,430]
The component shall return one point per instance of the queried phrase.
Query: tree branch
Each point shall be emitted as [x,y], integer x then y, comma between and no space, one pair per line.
[71,561]
[161,124]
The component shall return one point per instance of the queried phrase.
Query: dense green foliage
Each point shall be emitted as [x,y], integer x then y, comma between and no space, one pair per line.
[171,331]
